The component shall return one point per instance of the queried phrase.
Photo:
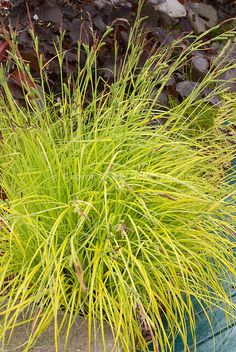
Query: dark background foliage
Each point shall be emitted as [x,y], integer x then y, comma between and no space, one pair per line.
[87,21]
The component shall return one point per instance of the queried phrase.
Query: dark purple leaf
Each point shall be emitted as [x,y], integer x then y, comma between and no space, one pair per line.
[200,67]
[185,88]
[50,14]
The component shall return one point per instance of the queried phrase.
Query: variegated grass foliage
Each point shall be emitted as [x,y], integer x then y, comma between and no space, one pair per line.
[109,216]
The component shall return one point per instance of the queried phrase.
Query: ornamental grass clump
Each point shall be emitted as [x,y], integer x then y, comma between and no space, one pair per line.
[110,217]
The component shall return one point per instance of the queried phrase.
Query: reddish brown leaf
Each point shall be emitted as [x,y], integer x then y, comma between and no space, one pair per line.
[4,46]
[29,55]
[16,82]
[21,77]
[5,4]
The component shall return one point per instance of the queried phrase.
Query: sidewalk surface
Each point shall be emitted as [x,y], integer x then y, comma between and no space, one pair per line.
[77,342]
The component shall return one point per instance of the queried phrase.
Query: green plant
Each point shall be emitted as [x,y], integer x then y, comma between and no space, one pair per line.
[108,216]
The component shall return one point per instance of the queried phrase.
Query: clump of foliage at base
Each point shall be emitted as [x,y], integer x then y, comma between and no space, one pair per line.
[110,215]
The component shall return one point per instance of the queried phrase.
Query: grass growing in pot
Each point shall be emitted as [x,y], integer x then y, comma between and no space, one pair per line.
[111,218]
